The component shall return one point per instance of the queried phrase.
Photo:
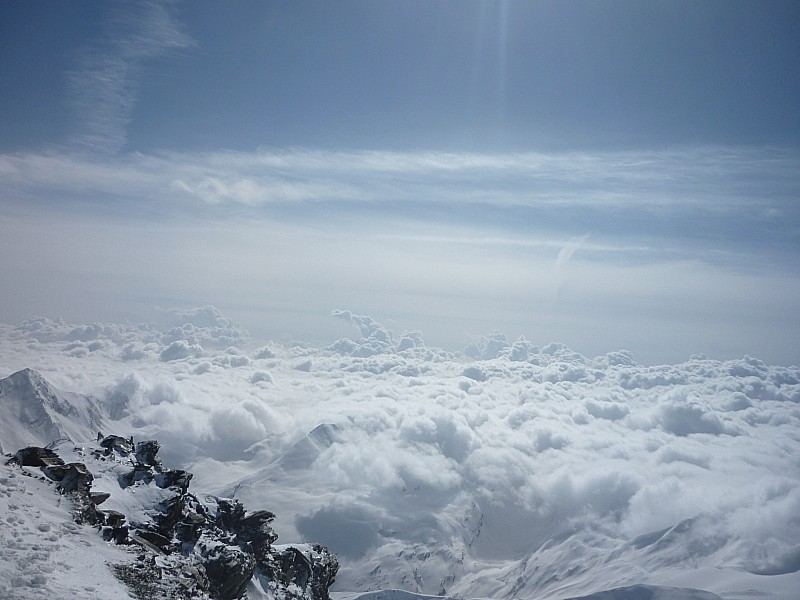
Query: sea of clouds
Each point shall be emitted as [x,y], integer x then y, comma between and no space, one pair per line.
[510,469]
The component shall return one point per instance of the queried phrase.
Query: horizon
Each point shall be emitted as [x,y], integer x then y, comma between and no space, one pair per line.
[604,175]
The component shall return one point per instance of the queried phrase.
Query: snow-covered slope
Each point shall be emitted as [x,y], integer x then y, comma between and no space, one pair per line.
[44,554]
[35,413]
[71,511]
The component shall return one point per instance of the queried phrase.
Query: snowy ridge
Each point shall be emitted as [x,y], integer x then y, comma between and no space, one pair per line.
[44,554]
[178,545]
[35,413]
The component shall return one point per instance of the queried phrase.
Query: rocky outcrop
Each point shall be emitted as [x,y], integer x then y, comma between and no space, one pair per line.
[187,546]
[33,456]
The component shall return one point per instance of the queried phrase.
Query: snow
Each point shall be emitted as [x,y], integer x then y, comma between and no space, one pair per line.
[513,470]
[43,553]
[57,415]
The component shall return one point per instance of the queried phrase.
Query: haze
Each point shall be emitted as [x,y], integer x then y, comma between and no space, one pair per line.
[614,175]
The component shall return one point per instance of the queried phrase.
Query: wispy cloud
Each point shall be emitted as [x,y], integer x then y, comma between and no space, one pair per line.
[710,179]
[405,233]
[715,204]
[105,83]
[570,248]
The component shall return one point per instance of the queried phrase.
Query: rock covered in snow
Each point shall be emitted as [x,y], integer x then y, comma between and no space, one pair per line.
[187,546]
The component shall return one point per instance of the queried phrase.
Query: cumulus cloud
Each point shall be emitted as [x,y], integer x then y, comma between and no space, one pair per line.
[180,349]
[203,326]
[352,527]
[375,338]
[490,471]
[261,376]
[491,346]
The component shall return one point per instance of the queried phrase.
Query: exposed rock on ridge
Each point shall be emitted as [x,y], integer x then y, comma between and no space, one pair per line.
[187,546]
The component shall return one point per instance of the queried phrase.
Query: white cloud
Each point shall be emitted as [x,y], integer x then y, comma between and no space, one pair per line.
[551,463]
[180,349]
[105,83]
[427,235]
[706,180]
[570,248]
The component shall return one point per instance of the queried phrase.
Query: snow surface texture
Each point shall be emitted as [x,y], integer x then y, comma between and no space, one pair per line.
[43,553]
[509,471]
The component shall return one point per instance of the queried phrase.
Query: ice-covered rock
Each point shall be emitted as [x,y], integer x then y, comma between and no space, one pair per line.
[186,546]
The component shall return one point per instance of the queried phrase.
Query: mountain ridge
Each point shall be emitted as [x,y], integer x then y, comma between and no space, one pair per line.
[36,413]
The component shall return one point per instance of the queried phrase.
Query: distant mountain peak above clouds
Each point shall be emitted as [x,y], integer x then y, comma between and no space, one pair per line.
[36,413]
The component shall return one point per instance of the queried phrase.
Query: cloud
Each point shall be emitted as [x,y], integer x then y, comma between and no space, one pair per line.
[203,326]
[715,181]
[672,265]
[105,83]
[352,528]
[375,338]
[570,248]
[685,418]
[180,349]
[548,463]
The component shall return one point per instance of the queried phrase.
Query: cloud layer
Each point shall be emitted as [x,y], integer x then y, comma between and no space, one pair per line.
[487,473]
[662,252]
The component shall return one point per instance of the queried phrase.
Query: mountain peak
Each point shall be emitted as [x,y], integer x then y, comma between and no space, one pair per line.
[36,413]
[27,377]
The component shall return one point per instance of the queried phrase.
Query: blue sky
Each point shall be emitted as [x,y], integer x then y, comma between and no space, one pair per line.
[605,174]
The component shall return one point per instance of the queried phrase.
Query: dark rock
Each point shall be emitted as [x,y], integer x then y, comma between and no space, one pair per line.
[55,472]
[258,520]
[156,540]
[140,473]
[229,569]
[116,443]
[315,571]
[113,526]
[77,478]
[172,513]
[253,530]
[188,530]
[98,498]
[118,535]
[176,478]
[324,569]
[146,453]
[77,482]
[112,518]
[229,513]
[33,456]
[295,568]
[221,547]
[192,579]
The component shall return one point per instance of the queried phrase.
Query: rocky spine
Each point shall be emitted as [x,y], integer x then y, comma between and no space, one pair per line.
[188,546]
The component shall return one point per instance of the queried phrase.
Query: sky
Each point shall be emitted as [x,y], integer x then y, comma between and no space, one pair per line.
[610,175]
